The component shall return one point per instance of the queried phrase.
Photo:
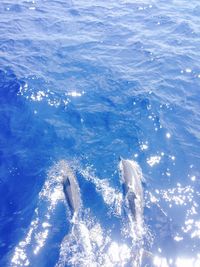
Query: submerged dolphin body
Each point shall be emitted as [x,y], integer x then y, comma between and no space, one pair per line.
[76,247]
[131,178]
[71,189]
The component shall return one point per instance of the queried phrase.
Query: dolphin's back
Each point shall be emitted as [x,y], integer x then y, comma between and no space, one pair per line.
[131,176]
[71,188]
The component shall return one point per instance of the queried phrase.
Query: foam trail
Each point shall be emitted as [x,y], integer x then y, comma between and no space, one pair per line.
[38,232]
[111,196]
[89,245]
[76,248]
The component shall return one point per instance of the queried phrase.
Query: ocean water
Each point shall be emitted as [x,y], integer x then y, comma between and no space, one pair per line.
[87,82]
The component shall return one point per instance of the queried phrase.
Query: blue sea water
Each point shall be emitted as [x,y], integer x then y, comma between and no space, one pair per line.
[87,82]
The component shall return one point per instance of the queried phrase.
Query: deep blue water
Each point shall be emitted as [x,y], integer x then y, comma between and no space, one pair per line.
[87,82]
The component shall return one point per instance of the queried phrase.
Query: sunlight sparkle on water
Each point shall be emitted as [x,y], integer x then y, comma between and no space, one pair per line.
[168,135]
[160,262]
[178,238]
[180,262]
[188,70]
[38,96]
[153,160]
[179,195]
[118,253]
[193,178]
[75,94]
[40,240]
[20,258]
[187,262]
[144,146]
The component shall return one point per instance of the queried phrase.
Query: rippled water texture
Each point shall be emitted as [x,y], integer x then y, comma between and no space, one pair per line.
[87,82]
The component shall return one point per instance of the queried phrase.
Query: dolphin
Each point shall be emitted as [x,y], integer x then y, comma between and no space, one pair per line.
[71,189]
[131,178]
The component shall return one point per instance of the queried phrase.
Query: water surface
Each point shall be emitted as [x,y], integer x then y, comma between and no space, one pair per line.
[87,82]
